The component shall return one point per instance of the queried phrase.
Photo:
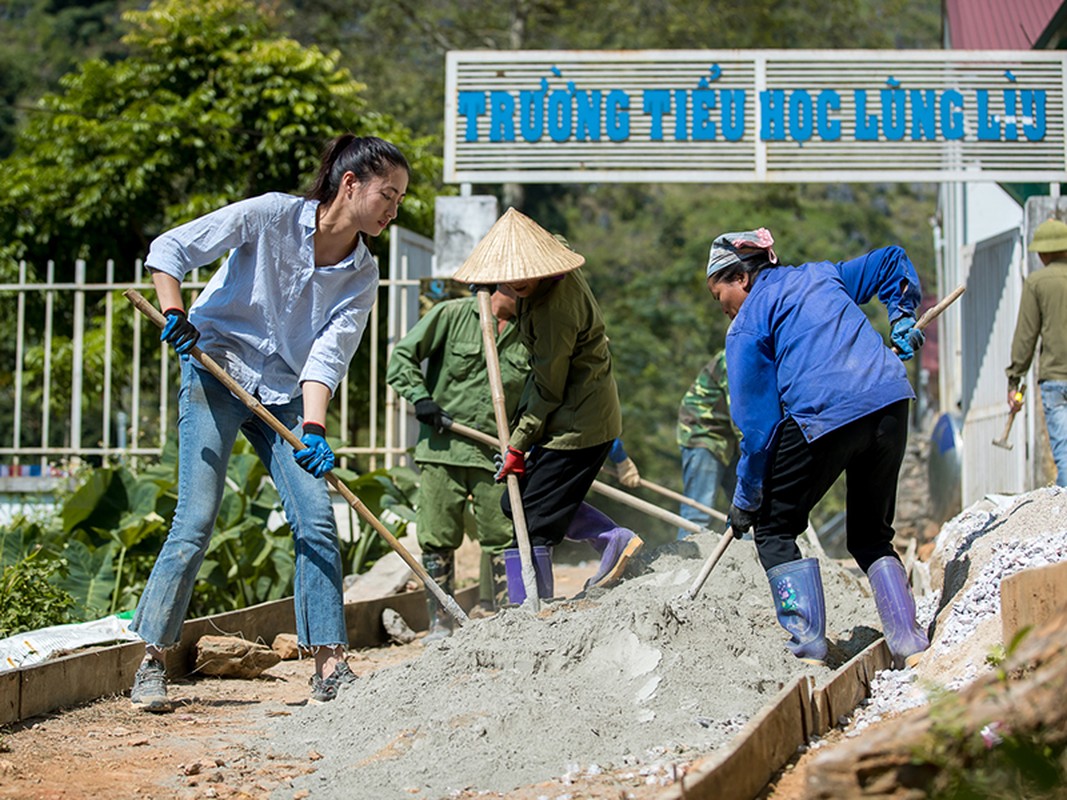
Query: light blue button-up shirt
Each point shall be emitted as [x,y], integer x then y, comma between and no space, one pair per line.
[269,316]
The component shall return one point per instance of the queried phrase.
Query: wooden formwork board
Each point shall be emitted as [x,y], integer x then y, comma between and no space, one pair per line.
[86,676]
[1031,597]
[849,686]
[801,711]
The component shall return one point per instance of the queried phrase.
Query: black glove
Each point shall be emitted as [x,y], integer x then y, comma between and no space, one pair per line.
[179,332]
[740,520]
[429,413]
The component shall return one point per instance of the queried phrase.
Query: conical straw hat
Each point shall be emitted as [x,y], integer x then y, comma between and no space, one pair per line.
[517,249]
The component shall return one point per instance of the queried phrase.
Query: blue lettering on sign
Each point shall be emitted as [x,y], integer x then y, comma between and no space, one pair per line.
[501,117]
[829,128]
[560,124]
[588,116]
[471,106]
[706,114]
[801,116]
[952,115]
[923,116]
[531,115]
[772,114]
[699,115]
[894,121]
[657,104]
[618,115]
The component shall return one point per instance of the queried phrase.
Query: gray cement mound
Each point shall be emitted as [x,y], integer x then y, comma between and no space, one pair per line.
[622,677]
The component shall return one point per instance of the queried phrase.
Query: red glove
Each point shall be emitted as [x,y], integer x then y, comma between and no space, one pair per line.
[512,463]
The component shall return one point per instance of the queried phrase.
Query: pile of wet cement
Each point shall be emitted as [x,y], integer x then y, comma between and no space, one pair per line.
[621,677]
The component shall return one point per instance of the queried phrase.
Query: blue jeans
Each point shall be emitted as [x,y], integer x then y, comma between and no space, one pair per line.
[1054,401]
[702,475]
[209,417]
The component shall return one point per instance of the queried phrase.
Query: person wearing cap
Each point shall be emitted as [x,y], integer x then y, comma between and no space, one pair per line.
[1043,314]
[568,415]
[453,468]
[816,392]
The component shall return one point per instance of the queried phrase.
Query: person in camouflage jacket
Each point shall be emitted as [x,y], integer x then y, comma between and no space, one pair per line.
[708,441]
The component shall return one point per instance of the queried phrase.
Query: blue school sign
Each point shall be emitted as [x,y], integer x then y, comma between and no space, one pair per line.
[760,116]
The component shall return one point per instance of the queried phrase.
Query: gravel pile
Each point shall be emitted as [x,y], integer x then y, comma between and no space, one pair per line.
[986,543]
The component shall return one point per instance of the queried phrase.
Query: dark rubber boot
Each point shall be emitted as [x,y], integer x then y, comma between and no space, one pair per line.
[896,607]
[796,587]
[615,544]
[441,566]
[542,564]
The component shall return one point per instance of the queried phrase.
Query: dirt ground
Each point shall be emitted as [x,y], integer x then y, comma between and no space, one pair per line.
[108,749]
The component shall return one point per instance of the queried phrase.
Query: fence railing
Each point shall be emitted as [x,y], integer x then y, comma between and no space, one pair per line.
[86,380]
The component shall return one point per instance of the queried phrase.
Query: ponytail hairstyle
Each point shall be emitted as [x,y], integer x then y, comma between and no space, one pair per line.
[364,156]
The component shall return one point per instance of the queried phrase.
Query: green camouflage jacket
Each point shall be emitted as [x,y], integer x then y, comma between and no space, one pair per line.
[704,414]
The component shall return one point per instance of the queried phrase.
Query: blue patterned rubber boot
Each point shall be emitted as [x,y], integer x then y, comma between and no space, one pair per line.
[796,587]
[896,607]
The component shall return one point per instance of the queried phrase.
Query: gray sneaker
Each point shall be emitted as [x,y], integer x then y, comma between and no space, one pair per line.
[323,690]
[149,691]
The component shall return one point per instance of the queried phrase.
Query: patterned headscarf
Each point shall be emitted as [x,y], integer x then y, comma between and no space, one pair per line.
[735,248]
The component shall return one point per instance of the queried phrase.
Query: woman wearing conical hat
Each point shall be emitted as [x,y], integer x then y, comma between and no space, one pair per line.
[568,415]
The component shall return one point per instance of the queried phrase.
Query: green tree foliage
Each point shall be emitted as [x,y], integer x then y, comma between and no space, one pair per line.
[209,105]
[405,41]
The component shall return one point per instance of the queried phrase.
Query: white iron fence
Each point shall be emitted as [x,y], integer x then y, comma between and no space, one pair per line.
[83,377]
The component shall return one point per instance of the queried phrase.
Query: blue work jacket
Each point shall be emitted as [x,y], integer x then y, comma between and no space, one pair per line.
[801,347]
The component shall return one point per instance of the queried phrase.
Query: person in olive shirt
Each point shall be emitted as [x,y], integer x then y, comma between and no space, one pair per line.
[1043,313]
[452,467]
[708,441]
[569,414]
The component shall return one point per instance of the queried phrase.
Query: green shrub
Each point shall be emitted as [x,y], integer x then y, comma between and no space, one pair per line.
[29,596]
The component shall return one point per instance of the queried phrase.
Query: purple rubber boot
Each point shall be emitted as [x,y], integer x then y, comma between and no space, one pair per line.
[896,607]
[796,587]
[542,564]
[616,545]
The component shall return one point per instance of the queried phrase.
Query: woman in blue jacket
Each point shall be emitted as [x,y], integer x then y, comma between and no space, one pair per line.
[815,392]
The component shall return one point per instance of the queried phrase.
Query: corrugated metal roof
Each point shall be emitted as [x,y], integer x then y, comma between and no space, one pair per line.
[997,24]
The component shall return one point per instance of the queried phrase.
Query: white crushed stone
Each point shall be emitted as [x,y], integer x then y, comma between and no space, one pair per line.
[986,543]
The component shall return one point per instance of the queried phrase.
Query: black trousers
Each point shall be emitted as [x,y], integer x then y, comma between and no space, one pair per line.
[555,484]
[869,451]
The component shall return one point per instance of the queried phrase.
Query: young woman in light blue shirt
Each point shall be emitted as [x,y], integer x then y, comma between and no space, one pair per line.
[283,315]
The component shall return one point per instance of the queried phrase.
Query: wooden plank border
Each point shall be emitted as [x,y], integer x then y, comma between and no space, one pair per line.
[86,676]
[799,712]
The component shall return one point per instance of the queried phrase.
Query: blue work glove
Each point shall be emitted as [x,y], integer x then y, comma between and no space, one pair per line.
[907,338]
[316,457]
[740,520]
[179,332]
[514,463]
[429,413]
